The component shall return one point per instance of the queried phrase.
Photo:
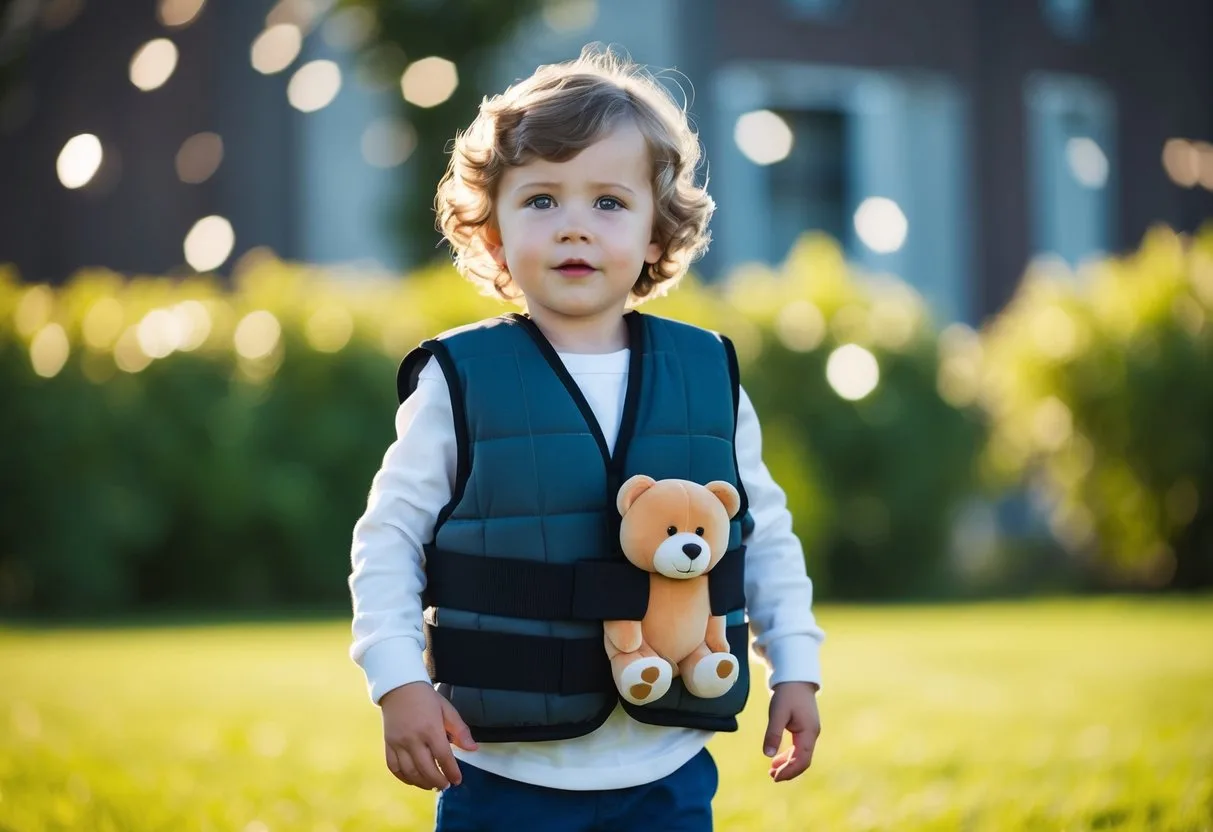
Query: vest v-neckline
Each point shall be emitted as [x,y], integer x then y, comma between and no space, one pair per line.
[627,423]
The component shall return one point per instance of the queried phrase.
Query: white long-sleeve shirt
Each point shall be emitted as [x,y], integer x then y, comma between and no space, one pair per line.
[416,481]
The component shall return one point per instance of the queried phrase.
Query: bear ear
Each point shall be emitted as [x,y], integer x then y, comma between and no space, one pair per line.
[727,495]
[633,488]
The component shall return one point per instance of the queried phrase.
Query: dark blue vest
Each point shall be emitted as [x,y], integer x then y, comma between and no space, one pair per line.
[525,563]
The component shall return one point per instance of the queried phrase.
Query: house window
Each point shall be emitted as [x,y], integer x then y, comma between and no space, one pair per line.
[808,188]
[1072,158]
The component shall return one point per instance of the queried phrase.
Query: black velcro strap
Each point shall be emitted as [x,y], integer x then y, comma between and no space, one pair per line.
[610,591]
[590,590]
[508,661]
[726,582]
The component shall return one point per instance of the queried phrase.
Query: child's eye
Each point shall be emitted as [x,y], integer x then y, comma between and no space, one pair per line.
[671,531]
[609,203]
[699,531]
[542,202]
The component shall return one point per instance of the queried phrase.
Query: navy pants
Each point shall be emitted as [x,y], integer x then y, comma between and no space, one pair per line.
[484,802]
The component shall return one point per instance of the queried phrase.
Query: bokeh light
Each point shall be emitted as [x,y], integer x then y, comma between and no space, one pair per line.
[199,157]
[330,328]
[194,323]
[153,64]
[570,16]
[209,243]
[852,372]
[128,355]
[257,334]
[388,142]
[276,48]
[763,136]
[1181,160]
[881,225]
[314,86]
[179,13]
[79,160]
[1204,156]
[34,309]
[429,82]
[1087,161]
[102,323]
[158,334]
[49,350]
[800,326]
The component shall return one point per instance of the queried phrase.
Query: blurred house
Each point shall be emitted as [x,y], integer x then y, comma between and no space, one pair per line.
[947,141]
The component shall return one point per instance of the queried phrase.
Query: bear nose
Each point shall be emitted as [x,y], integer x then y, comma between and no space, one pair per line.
[692,550]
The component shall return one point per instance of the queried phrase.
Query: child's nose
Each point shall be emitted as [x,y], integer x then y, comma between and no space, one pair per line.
[574,233]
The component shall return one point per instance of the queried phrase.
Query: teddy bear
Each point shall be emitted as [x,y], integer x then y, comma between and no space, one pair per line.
[677,531]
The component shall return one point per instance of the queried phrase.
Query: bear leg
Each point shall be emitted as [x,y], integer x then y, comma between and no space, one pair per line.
[641,677]
[709,675]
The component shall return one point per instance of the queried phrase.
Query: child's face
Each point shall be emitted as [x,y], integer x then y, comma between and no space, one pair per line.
[575,234]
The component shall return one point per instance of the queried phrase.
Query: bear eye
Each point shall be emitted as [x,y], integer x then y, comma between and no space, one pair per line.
[699,531]
[671,531]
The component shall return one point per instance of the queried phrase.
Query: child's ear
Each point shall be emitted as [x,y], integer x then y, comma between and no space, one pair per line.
[492,244]
[653,253]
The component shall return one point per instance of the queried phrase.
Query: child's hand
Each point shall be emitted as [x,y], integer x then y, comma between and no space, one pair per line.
[793,708]
[419,725]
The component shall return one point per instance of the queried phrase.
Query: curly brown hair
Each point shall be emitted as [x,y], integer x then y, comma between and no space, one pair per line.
[554,114]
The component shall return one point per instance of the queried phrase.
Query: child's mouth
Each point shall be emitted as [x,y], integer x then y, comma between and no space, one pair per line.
[575,269]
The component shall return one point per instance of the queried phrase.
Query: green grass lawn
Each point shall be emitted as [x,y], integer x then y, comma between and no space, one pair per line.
[1049,716]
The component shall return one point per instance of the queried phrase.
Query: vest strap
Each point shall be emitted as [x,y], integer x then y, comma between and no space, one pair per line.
[726,582]
[537,664]
[509,661]
[588,590]
[591,590]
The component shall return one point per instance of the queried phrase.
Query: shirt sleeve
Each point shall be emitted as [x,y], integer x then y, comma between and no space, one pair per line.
[779,593]
[387,575]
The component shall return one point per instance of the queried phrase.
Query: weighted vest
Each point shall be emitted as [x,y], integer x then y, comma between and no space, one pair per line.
[525,563]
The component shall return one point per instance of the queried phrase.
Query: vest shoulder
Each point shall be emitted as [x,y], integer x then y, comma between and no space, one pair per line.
[481,335]
[680,332]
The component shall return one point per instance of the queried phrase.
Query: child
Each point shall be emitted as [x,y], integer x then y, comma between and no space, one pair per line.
[574,193]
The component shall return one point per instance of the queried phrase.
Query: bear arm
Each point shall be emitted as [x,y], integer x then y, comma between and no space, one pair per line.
[625,635]
[715,637]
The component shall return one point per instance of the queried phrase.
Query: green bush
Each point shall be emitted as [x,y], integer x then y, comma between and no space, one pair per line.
[1099,388]
[229,469]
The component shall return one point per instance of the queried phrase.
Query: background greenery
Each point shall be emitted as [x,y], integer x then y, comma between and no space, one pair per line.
[226,475]
[1090,715]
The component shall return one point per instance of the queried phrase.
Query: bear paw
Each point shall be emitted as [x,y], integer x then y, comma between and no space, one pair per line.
[645,680]
[713,675]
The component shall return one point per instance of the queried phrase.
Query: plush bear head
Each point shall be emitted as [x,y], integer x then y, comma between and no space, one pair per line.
[676,528]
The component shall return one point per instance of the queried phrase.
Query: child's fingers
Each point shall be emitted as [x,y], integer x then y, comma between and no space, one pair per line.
[793,766]
[777,721]
[404,769]
[456,729]
[428,775]
[448,763]
[393,763]
[796,760]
